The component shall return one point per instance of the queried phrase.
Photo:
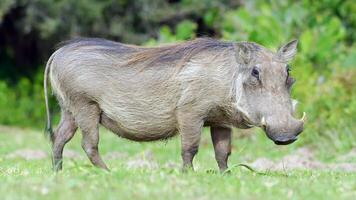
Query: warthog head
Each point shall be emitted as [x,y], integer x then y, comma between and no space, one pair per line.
[263,91]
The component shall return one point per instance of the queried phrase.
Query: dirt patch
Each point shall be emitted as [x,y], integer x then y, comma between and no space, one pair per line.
[347,167]
[115,155]
[349,157]
[33,154]
[304,159]
[28,154]
[172,165]
[7,129]
[144,160]
[67,153]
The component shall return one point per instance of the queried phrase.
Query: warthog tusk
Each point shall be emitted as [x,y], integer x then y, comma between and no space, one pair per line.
[304,117]
[263,122]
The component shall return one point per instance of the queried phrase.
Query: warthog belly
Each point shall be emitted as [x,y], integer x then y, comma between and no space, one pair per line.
[132,134]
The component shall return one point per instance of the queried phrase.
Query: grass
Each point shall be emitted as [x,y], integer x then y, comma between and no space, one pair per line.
[34,179]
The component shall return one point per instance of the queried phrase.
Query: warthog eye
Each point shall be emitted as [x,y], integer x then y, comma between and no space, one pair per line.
[289,80]
[255,73]
[288,70]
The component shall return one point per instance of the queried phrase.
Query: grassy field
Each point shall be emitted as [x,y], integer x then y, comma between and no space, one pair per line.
[152,171]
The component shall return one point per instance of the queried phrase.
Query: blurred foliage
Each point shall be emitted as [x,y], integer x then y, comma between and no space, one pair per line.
[325,65]
[23,103]
[30,29]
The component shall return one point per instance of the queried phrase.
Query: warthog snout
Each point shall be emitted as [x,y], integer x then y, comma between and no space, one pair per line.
[285,131]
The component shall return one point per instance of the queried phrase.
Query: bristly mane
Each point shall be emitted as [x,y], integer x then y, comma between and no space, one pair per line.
[177,52]
[172,53]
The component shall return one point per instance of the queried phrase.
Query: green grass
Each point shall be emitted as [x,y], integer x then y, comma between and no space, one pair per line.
[34,179]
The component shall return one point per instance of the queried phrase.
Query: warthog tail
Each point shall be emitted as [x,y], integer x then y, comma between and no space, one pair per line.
[48,128]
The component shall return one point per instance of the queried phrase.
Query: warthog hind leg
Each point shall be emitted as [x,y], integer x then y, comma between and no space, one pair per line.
[61,136]
[87,118]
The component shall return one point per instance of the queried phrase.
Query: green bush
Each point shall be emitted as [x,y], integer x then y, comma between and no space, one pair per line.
[23,104]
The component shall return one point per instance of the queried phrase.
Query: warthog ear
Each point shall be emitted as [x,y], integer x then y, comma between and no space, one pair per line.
[243,53]
[287,51]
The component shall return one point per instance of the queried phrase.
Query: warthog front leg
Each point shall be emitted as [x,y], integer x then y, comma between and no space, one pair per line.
[190,130]
[88,120]
[61,136]
[221,138]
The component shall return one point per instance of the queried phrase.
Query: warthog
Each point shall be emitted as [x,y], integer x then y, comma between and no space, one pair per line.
[152,93]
